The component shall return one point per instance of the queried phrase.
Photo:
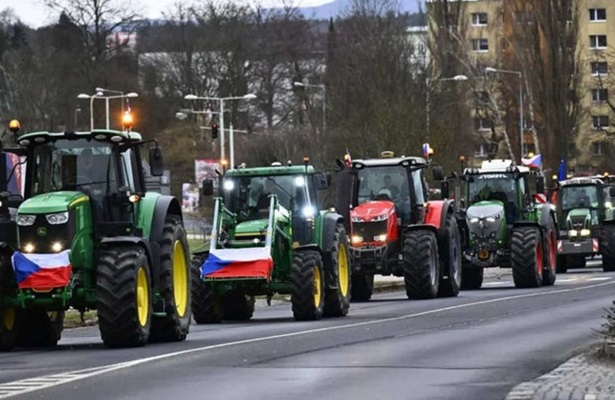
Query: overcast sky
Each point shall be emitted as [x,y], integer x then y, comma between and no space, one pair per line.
[35,14]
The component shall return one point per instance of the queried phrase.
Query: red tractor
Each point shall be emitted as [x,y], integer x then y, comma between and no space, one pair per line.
[395,230]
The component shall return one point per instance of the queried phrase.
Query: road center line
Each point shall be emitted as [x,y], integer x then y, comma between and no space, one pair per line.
[23,386]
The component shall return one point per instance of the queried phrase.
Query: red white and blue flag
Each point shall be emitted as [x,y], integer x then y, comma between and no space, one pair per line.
[42,271]
[533,162]
[254,262]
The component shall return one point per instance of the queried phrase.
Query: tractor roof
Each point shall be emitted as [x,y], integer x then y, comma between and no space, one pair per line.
[271,170]
[393,161]
[98,134]
[582,180]
[502,166]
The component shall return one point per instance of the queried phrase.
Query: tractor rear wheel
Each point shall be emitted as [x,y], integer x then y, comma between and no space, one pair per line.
[550,256]
[40,328]
[526,257]
[472,278]
[361,287]
[337,267]
[562,264]
[421,264]
[174,285]
[206,306]
[124,296]
[9,327]
[449,245]
[307,286]
[238,307]
[607,248]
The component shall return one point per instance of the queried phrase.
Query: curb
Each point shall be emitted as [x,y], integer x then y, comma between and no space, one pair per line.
[383,287]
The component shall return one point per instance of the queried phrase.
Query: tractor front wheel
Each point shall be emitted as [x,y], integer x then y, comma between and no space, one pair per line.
[40,328]
[174,285]
[607,247]
[421,264]
[550,257]
[450,254]
[238,306]
[472,278]
[206,306]
[526,257]
[337,267]
[124,296]
[562,264]
[307,286]
[9,327]
[361,287]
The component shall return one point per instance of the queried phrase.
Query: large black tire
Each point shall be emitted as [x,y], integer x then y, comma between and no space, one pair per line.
[9,327]
[472,278]
[40,328]
[206,306]
[124,293]
[361,287]
[562,264]
[238,307]
[337,269]
[449,246]
[607,248]
[526,257]
[307,286]
[550,259]
[174,288]
[421,265]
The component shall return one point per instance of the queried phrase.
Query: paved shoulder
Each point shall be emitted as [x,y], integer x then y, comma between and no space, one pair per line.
[584,377]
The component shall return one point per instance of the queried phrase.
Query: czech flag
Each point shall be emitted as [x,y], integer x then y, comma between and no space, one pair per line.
[533,162]
[254,262]
[42,271]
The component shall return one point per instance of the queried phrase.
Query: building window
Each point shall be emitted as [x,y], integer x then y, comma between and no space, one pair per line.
[598,148]
[600,95]
[482,151]
[597,41]
[599,68]
[479,19]
[597,14]
[482,124]
[480,45]
[600,121]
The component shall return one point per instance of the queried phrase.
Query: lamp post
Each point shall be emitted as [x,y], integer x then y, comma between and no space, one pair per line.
[100,95]
[491,70]
[324,101]
[221,100]
[457,78]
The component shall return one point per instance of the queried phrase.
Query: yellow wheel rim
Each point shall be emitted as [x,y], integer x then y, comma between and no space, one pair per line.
[180,278]
[342,269]
[9,318]
[317,287]
[142,296]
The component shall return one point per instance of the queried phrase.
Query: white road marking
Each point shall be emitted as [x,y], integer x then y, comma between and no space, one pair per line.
[497,283]
[604,278]
[559,280]
[16,388]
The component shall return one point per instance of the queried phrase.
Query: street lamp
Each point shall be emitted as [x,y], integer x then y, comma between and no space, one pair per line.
[324,101]
[490,70]
[100,95]
[221,100]
[456,78]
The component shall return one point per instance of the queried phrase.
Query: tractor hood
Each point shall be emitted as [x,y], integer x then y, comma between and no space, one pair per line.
[485,218]
[372,211]
[54,202]
[251,227]
[578,218]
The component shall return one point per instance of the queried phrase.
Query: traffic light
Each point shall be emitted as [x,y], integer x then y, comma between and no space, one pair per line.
[214,131]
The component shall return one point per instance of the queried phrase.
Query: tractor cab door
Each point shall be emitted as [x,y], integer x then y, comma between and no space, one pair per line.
[346,194]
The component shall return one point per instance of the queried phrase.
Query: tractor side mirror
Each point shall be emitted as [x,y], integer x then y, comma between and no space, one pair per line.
[438,174]
[444,189]
[156,164]
[540,184]
[611,191]
[323,181]
[208,187]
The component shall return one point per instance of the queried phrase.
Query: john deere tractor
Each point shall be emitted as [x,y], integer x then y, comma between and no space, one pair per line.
[395,230]
[585,207]
[508,223]
[268,237]
[89,237]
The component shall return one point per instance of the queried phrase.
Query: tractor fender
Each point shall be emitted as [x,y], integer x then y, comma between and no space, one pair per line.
[437,212]
[328,230]
[152,252]
[419,227]
[165,206]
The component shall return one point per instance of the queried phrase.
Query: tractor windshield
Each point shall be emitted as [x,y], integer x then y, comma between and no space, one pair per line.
[383,183]
[84,165]
[500,187]
[246,195]
[579,196]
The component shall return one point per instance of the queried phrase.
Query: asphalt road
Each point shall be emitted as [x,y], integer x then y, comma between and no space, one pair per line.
[477,346]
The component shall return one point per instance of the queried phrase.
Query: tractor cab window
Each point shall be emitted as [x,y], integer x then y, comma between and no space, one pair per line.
[579,196]
[82,165]
[390,183]
[500,187]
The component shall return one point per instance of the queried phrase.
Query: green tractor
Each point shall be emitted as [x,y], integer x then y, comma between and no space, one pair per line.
[267,238]
[508,223]
[89,237]
[584,205]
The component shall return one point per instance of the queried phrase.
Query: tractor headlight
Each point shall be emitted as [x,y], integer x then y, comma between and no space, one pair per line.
[380,238]
[382,217]
[491,219]
[57,247]
[228,185]
[356,239]
[26,220]
[357,219]
[57,219]
[308,212]
[585,232]
[474,220]
[608,204]
[28,248]
[573,233]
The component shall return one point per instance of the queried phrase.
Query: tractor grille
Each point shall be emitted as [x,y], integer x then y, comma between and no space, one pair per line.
[42,234]
[577,221]
[369,230]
